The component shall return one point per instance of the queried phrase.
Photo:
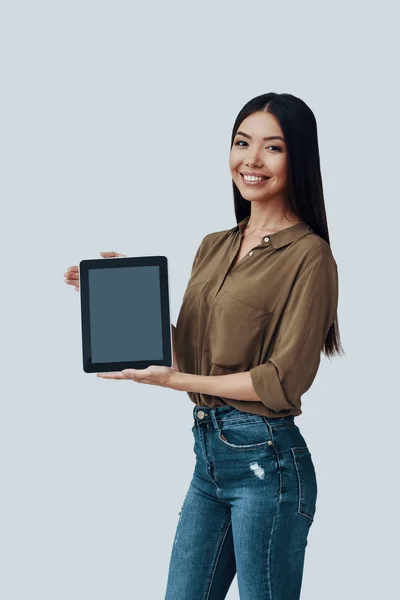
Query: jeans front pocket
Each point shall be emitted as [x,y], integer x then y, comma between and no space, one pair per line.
[245,433]
[307,481]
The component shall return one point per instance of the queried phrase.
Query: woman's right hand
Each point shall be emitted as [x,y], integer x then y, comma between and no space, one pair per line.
[72,273]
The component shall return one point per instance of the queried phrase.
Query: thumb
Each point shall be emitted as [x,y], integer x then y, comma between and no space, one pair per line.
[129,373]
[112,254]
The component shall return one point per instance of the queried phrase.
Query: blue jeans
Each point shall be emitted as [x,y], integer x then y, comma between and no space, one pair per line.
[248,509]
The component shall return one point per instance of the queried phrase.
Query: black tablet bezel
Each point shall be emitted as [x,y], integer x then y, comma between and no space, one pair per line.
[120,263]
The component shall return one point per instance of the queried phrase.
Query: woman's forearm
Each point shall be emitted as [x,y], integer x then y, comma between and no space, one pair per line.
[237,386]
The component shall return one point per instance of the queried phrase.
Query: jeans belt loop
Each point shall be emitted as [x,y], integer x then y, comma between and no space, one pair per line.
[214,418]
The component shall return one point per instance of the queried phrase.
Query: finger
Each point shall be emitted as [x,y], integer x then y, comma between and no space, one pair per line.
[73,269]
[112,254]
[71,275]
[131,373]
[71,282]
[113,375]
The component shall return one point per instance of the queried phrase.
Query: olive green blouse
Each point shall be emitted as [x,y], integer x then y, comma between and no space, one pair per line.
[269,314]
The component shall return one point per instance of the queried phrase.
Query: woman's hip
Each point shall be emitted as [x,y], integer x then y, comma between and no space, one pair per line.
[255,459]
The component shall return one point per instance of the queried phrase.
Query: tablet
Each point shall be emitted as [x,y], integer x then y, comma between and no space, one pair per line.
[125,313]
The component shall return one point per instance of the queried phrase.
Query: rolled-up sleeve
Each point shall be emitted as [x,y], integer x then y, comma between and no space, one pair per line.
[309,313]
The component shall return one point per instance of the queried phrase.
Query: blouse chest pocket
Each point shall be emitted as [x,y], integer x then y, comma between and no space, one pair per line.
[236,332]
[187,333]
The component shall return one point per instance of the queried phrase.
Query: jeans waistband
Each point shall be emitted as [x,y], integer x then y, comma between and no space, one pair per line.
[204,414]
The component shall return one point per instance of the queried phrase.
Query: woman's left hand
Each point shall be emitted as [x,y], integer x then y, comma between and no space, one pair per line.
[154,375]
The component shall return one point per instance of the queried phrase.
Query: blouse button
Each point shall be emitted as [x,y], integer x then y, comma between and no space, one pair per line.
[266,239]
[251,253]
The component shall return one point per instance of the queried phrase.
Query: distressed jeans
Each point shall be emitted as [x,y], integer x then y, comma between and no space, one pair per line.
[248,509]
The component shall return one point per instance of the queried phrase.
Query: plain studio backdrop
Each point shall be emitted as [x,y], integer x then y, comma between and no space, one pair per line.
[115,131]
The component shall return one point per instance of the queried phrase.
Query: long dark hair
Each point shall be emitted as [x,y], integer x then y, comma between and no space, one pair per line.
[305,192]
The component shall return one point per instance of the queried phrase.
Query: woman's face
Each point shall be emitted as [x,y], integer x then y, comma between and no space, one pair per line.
[265,157]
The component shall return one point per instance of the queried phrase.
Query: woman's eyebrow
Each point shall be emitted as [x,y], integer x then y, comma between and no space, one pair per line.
[269,137]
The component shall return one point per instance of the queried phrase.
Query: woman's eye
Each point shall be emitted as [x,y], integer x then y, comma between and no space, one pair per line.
[243,142]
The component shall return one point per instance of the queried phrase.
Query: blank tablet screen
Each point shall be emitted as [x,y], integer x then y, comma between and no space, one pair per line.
[125,314]
[123,317]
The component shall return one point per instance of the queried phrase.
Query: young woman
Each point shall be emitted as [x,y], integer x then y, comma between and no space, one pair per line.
[260,306]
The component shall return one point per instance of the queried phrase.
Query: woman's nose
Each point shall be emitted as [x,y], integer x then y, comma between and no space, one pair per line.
[253,159]
[253,162]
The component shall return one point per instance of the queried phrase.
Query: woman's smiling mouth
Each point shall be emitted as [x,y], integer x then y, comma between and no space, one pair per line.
[253,180]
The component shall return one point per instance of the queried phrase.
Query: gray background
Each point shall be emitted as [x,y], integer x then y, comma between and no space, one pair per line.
[115,129]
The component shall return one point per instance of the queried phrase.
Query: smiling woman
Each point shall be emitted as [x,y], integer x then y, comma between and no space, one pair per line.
[259,308]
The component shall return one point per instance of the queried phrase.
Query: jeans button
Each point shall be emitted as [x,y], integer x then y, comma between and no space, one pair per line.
[200,414]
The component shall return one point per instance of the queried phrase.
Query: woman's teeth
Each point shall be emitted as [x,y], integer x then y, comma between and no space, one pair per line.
[252,179]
